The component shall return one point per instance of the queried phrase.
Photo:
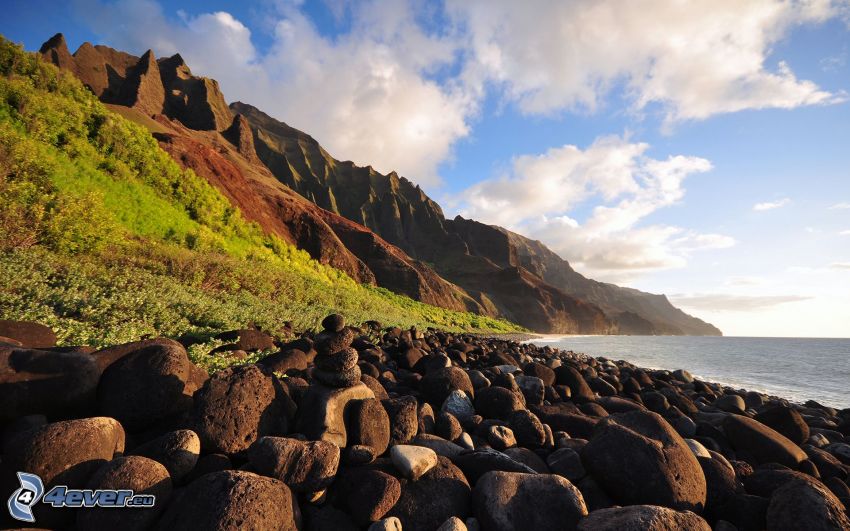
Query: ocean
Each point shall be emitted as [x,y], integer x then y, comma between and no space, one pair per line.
[797,369]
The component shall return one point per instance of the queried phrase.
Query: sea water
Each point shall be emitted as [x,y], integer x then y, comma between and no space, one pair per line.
[797,369]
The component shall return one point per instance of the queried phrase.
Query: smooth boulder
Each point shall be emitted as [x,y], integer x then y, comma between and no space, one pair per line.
[303,466]
[232,499]
[642,518]
[638,458]
[511,501]
[765,444]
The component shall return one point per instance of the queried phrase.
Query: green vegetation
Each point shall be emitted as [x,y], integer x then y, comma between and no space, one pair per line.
[106,239]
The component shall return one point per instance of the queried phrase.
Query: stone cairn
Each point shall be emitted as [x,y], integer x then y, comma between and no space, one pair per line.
[336,362]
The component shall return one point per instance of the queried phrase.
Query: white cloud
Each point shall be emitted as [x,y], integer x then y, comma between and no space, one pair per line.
[536,196]
[840,265]
[371,93]
[844,233]
[733,303]
[840,206]
[695,58]
[770,205]
[366,95]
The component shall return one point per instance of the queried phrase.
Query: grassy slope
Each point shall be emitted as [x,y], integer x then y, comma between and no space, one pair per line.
[106,239]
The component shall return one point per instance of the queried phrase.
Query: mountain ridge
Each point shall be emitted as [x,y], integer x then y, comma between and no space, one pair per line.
[380,229]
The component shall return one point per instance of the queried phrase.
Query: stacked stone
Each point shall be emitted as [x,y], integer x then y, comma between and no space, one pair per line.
[336,361]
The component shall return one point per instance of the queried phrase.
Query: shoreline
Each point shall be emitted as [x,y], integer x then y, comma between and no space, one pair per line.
[437,427]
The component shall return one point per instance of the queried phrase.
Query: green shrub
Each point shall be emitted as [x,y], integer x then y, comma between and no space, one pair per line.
[106,239]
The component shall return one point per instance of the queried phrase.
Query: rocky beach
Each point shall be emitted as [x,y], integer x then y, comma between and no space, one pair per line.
[365,427]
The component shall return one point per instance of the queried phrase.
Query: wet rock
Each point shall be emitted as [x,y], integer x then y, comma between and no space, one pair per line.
[508,501]
[303,466]
[232,499]
[322,412]
[786,421]
[236,407]
[639,459]
[765,444]
[642,518]
[136,473]
[540,371]
[178,451]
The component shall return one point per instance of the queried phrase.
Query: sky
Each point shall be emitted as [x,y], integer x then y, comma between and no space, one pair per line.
[699,149]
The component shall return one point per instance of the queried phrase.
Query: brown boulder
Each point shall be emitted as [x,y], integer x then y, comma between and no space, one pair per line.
[232,499]
[806,504]
[642,518]
[439,494]
[139,474]
[236,407]
[638,458]
[510,501]
[303,466]
[146,386]
[30,334]
[55,384]
[763,443]
[369,425]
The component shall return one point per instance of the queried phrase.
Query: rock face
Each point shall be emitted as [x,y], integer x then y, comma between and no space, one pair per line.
[232,499]
[638,458]
[377,228]
[510,501]
[495,266]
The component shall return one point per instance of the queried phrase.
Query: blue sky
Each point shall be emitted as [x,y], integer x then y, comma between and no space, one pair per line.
[697,151]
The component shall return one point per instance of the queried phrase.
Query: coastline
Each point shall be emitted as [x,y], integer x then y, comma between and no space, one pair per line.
[438,426]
